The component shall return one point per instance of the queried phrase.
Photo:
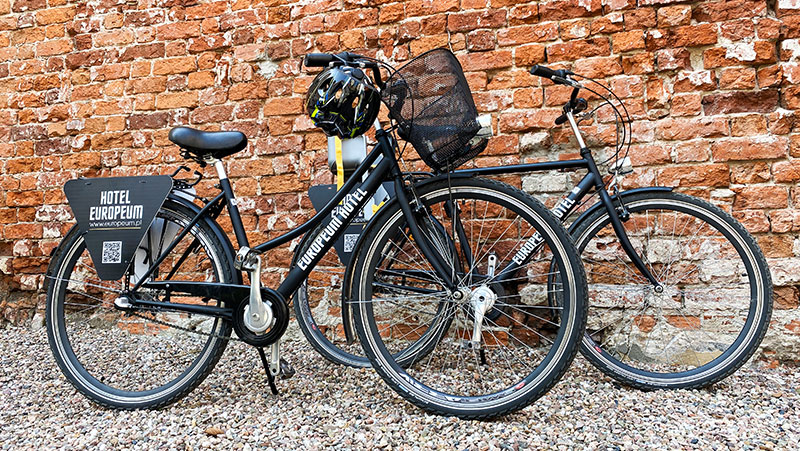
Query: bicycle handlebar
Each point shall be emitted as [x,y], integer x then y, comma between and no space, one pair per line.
[343,58]
[323,59]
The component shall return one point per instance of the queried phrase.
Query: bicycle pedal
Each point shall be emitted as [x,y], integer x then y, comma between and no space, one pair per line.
[287,370]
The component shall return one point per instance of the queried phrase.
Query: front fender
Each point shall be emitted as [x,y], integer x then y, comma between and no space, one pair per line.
[623,195]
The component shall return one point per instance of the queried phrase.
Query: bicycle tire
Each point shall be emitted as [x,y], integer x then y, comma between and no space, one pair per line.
[315,307]
[720,248]
[516,324]
[76,334]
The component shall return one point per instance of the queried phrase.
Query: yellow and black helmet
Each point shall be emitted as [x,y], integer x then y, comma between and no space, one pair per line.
[343,102]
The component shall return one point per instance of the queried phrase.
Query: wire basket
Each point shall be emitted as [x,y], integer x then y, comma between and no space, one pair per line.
[432,104]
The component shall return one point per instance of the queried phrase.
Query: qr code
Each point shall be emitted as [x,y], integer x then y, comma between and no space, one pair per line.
[350,241]
[112,252]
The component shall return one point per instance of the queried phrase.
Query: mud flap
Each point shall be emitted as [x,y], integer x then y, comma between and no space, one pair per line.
[114,214]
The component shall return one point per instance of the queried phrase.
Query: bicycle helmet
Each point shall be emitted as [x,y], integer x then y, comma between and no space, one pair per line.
[343,102]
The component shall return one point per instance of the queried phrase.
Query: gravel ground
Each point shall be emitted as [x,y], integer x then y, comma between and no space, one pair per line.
[326,406]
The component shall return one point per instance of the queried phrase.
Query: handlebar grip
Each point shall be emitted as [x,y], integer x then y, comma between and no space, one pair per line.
[318,59]
[557,76]
[561,119]
[542,71]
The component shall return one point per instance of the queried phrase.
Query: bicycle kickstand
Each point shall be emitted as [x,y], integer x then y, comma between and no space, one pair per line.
[277,366]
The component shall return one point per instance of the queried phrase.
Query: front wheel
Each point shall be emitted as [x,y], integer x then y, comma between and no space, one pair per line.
[496,345]
[715,305]
[141,358]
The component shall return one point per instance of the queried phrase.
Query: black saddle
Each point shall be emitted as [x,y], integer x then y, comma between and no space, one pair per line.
[201,145]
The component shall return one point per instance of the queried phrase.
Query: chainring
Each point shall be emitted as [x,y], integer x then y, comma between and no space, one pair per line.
[280,313]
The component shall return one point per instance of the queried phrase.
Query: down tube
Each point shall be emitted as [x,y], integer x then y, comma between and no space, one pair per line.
[561,211]
[337,225]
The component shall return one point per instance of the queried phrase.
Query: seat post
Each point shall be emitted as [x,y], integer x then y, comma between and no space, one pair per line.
[233,209]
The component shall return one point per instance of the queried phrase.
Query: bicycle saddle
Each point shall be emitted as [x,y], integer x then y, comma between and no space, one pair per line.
[201,145]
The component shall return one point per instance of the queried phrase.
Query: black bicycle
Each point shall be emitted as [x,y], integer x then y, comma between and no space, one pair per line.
[144,291]
[680,293]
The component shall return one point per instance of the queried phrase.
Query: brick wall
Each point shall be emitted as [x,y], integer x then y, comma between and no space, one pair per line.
[91,88]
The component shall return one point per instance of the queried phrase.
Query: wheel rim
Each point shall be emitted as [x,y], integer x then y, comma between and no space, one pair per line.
[452,375]
[125,359]
[712,294]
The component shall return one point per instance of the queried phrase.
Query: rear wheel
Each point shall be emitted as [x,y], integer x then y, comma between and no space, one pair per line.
[137,358]
[495,346]
[715,306]
[318,308]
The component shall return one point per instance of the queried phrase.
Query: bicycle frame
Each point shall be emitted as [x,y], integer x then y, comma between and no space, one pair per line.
[593,179]
[352,199]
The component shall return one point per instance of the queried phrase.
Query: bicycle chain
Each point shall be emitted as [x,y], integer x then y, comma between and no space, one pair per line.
[186,329]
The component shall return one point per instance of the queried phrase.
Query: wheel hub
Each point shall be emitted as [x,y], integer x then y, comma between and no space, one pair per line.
[481,299]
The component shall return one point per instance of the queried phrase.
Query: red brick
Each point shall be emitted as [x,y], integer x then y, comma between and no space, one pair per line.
[568,9]
[650,154]
[177,65]
[690,151]
[741,102]
[671,59]
[527,33]
[786,171]
[316,7]
[750,53]
[55,15]
[482,40]
[516,122]
[523,14]
[685,36]
[760,197]
[640,18]
[695,81]
[738,30]
[283,106]
[495,59]
[750,149]
[55,47]
[728,9]
[28,5]
[24,198]
[671,16]
[347,19]
[737,78]
[711,175]
[176,100]
[178,30]
[574,50]
[391,13]
[598,67]
[627,41]
[684,129]
[473,20]
[528,55]
[744,173]
[641,63]
[419,8]
[686,105]
[216,113]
